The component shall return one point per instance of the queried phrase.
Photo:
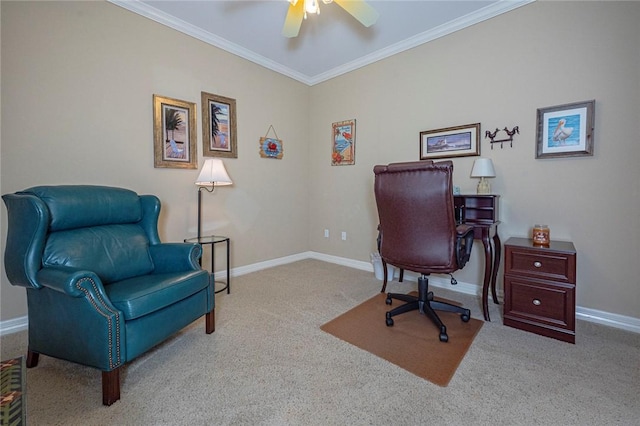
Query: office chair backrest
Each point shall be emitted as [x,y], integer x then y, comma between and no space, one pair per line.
[415,209]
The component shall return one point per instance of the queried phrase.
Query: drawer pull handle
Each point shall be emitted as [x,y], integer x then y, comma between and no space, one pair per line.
[537,264]
[537,302]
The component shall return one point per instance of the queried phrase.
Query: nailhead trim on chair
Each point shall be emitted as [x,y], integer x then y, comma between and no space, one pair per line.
[107,315]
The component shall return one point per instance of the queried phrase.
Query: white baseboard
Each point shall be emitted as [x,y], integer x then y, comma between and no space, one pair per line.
[13,325]
[586,314]
[607,318]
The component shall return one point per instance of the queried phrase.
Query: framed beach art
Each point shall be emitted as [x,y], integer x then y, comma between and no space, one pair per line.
[565,130]
[218,126]
[458,141]
[174,133]
[343,148]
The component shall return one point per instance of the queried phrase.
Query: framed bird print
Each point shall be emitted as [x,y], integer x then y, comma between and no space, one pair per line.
[343,150]
[565,130]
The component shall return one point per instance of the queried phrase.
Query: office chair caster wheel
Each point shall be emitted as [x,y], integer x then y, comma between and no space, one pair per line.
[388,301]
[465,317]
[443,334]
[389,321]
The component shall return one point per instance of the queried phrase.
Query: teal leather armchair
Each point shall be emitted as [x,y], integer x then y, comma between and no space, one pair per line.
[101,287]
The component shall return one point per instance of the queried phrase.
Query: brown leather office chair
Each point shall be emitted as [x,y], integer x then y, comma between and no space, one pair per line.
[418,232]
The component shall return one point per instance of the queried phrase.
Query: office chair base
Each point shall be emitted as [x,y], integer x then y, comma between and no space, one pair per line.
[425,304]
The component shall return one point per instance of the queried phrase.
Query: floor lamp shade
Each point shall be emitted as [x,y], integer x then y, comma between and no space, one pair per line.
[212,174]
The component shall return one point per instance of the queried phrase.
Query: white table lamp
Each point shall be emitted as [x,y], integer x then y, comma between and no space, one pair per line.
[483,168]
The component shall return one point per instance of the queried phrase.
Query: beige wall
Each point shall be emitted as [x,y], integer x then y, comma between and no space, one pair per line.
[77,86]
[498,73]
[77,81]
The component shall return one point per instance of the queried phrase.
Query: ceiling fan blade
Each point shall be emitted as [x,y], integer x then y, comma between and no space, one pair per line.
[360,10]
[294,20]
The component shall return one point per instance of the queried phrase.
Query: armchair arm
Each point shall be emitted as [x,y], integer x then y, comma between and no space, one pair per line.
[175,257]
[71,317]
[65,280]
[464,242]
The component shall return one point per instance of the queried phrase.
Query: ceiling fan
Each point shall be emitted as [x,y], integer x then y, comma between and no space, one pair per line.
[298,10]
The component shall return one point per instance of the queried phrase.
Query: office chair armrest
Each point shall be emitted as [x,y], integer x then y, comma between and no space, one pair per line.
[464,242]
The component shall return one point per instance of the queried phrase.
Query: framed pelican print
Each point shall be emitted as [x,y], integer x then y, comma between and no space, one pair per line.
[565,130]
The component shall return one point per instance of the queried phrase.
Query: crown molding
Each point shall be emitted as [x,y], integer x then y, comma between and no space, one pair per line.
[186,28]
[458,24]
[468,20]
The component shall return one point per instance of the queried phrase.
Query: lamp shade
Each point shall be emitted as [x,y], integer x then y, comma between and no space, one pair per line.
[483,167]
[213,173]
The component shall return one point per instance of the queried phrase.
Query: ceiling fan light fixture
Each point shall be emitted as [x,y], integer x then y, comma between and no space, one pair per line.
[311,6]
[298,11]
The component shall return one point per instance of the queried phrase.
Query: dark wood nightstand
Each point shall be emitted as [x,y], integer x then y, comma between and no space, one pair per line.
[540,287]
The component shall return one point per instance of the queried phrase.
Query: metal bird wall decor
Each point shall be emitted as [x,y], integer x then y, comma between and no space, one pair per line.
[509,133]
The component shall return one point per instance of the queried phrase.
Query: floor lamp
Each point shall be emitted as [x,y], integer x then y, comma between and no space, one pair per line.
[212,174]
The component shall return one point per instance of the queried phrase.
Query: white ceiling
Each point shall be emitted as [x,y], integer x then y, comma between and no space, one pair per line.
[329,44]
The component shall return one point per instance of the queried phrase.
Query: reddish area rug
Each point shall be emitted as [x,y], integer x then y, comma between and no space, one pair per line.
[412,343]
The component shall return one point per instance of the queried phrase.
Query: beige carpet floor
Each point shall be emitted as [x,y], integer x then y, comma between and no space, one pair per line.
[268,363]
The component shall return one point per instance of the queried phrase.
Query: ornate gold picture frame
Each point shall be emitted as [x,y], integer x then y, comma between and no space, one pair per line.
[174,133]
[218,126]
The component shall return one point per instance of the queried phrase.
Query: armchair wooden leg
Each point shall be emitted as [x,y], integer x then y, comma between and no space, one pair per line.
[210,321]
[110,386]
[32,359]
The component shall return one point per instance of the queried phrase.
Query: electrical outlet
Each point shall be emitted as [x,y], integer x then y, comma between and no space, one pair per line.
[344,236]
[326,233]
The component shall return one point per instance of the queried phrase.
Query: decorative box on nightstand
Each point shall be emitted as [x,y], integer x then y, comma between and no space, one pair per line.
[540,288]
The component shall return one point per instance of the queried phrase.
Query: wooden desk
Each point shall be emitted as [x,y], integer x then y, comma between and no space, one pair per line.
[481,211]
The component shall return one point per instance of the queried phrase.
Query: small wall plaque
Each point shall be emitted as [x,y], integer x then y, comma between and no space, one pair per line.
[271,147]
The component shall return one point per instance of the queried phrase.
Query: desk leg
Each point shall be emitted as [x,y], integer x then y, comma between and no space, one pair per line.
[228,274]
[488,263]
[496,265]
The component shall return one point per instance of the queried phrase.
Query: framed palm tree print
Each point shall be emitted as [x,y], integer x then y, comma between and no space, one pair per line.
[218,126]
[174,133]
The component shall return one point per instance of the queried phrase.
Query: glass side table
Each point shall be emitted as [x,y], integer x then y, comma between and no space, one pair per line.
[213,240]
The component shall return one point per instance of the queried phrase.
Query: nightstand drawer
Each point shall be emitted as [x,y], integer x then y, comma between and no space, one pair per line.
[548,265]
[540,288]
[540,302]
